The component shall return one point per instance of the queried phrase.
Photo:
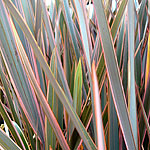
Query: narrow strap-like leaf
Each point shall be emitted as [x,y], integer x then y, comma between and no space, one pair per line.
[131,76]
[6,142]
[98,115]
[113,75]
[10,125]
[147,62]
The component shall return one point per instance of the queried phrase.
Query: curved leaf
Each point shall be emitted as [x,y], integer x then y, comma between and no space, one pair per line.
[21,135]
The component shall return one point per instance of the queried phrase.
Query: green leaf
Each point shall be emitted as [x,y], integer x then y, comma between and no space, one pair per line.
[114,76]
[28,13]
[67,62]
[53,46]
[146,104]
[120,44]
[41,97]
[3,79]
[6,142]
[38,19]
[21,35]
[125,61]
[77,93]
[87,109]
[77,122]
[84,31]
[113,126]
[131,76]
[141,12]
[117,20]
[71,29]
[143,113]
[21,135]
[16,72]
[10,125]
[28,127]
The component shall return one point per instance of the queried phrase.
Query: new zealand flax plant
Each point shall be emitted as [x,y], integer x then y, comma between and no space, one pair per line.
[69,80]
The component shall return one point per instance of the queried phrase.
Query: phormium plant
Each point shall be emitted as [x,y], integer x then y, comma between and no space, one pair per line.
[72,79]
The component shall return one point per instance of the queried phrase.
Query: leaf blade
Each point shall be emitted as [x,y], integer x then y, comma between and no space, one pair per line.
[114,76]
[98,116]
[131,76]
[6,142]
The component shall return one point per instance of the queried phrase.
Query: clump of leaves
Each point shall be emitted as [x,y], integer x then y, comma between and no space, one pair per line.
[72,78]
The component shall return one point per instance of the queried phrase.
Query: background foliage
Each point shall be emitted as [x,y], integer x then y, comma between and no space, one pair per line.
[72,79]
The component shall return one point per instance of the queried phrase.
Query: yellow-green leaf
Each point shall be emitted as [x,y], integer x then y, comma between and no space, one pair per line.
[147,62]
